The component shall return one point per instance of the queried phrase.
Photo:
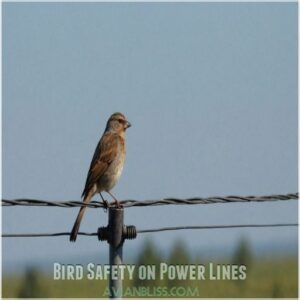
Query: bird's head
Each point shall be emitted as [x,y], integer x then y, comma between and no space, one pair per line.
[117,123]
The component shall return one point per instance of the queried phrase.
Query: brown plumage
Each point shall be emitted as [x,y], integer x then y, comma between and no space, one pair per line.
[106,166]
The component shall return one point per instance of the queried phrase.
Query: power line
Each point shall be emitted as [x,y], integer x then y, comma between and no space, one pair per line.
[215,227]
[154,230]
[46,234]
[165,201]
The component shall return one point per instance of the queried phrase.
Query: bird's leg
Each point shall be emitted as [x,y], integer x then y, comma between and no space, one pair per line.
[105,202]
[117,203]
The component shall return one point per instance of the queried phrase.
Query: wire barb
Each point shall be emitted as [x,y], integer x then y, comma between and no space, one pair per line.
[166,201]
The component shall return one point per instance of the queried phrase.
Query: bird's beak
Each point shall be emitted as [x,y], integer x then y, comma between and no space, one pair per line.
[128,124]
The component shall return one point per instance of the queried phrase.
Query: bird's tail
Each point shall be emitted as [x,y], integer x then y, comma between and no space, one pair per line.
[76,226]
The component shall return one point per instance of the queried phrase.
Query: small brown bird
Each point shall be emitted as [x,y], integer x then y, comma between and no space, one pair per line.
[106,166]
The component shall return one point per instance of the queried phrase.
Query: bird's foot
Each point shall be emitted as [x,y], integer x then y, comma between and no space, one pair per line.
[105,205]
[118,204]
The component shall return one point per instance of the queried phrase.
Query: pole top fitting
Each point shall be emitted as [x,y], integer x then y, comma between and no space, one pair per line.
[128,233]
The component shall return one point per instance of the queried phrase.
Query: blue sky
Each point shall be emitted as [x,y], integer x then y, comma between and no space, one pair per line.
[211,92]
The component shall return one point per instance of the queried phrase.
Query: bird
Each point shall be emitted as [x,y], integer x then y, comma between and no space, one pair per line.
[106,165]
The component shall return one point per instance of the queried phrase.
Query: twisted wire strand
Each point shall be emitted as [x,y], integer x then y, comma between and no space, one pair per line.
[154,230]
[166,201]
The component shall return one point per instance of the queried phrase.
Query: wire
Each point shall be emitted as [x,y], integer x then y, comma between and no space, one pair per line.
[166,201]
[215,227]
[46,234]
[154,230]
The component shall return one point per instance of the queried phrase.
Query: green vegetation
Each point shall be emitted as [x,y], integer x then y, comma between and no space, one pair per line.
[32,286]
[243,255]
[273,277]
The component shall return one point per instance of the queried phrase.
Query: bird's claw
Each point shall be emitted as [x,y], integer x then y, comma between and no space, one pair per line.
[105,205]
[118,204]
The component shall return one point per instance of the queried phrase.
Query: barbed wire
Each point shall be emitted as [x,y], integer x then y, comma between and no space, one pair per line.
[165,201]
[154,230]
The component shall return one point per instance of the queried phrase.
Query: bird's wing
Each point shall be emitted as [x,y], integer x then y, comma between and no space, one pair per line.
[105,153]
